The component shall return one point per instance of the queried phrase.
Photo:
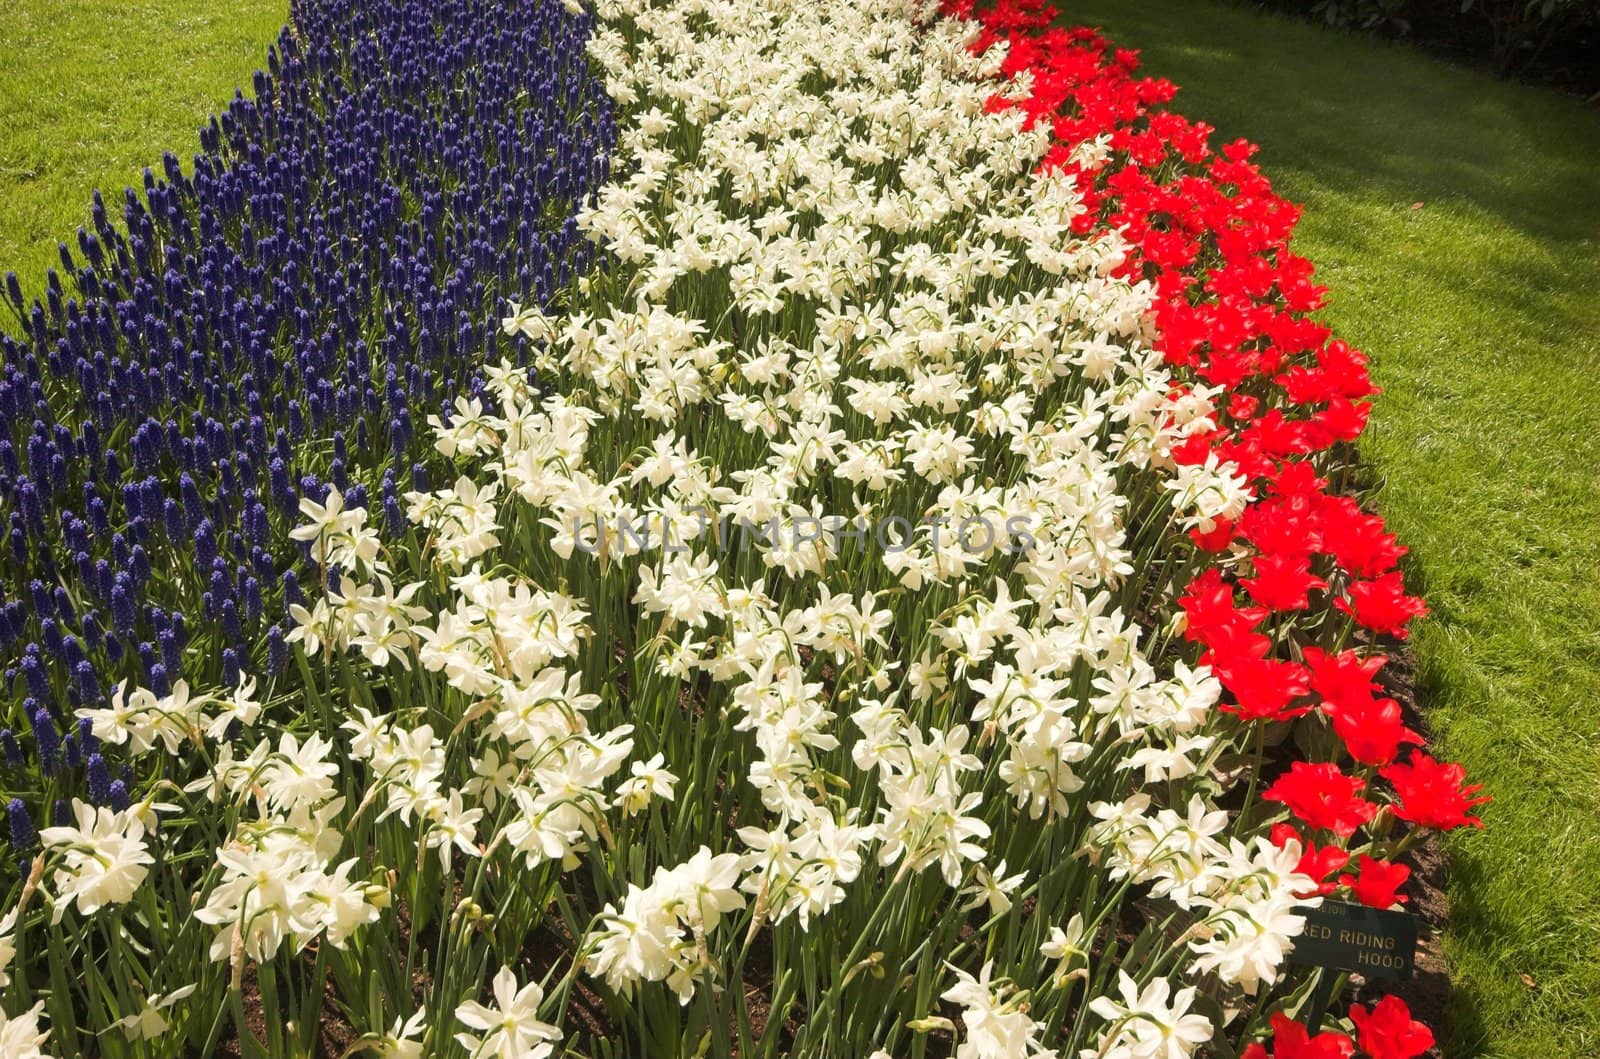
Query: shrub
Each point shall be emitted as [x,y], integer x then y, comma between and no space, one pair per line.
[1531,37]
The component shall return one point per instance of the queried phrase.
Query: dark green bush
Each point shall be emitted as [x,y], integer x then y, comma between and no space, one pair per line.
[1548,39]
[1523,30]
[1362,14]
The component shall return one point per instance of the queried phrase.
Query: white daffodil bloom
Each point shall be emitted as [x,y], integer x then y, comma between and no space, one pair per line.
[20,1035]
[103,858]
[511,1029]
[149,1023]
[8,945]
[995,1021]
[1152,1023]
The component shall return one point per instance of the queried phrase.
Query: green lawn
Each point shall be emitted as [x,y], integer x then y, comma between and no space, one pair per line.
[91,92]
[1455,218]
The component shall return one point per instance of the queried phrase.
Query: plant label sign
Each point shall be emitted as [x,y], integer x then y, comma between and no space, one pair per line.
[1347,937]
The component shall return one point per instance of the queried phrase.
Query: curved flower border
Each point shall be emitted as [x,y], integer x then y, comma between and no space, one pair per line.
[1233,311]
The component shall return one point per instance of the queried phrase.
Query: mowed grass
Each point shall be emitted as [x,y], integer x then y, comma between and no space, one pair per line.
[93,91]
[1455,218]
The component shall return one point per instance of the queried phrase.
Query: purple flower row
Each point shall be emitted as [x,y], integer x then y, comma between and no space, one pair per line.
[277,322]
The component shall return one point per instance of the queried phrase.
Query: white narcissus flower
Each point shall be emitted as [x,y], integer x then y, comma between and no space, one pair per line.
[1164,763]
[315,628]
[124,717]
[649,781]
[1208,492]
[255,904]
[688,591]
[659,933]
[299,773]
[511,1029]
[995,1021]
[492,779]
[1153,1023]
[141,719]
[451,826]
[8,945]
[20,1035]
[468,433]
[1251,941]
[1257,901]
[103,858]
[637,942]
[707,885]
[992,888]
[336,904]
[338,536]
[277,886]
[1066,947]
[238,705]
[404,1039]
[149,1023]
[326,520]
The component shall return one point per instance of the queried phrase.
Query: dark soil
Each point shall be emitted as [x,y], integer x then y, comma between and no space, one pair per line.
[1427,992]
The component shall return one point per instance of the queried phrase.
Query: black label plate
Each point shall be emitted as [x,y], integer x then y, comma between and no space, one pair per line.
[1346,937]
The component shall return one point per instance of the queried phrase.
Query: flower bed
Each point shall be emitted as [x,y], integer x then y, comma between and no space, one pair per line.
[909,616]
